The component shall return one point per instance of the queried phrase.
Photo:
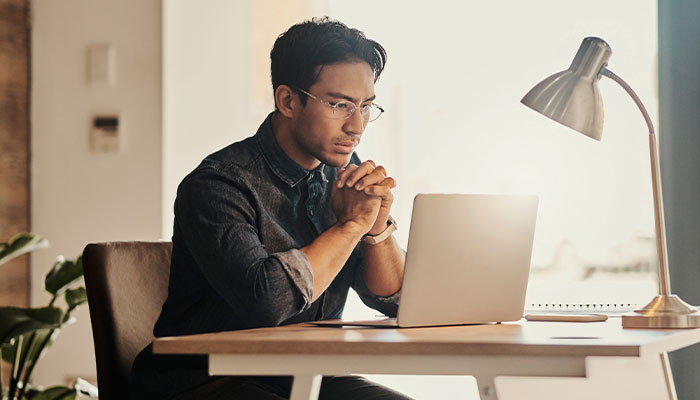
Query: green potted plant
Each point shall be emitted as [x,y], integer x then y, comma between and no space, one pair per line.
[26,333]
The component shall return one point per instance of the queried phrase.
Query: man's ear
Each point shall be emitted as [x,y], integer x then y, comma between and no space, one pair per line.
[286,100]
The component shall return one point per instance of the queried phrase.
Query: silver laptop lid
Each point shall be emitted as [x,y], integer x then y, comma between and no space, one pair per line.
[468,259]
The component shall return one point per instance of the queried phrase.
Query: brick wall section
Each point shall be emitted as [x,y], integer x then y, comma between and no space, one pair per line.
[14,143]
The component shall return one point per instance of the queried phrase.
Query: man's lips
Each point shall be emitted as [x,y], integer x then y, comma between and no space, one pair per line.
[348,147]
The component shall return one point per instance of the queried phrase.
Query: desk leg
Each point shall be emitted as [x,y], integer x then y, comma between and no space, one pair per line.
[668,377]
[487,387]
[306,387]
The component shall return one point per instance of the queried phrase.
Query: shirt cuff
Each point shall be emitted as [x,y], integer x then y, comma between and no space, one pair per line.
[298,268]
[387,305]
[392,299]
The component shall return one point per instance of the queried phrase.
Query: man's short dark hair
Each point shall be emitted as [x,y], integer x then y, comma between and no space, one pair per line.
[320,41]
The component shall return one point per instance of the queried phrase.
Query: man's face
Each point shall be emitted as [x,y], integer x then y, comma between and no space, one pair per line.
[316,135]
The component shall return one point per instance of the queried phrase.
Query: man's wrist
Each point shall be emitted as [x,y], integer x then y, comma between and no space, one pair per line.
[352,228]
[382,236]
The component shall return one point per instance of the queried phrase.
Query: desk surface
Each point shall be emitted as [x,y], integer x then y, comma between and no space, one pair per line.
[525,338]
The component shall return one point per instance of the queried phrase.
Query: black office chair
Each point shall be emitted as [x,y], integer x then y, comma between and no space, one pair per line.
[126,283]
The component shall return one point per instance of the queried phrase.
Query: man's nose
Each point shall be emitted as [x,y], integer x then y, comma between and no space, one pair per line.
[355,124]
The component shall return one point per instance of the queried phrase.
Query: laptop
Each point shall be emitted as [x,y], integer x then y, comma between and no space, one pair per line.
[467,261]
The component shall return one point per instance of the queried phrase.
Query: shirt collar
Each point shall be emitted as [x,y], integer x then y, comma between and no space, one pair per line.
[280,163]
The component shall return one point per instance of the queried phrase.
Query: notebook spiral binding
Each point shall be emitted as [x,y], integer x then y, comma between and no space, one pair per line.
[602,308]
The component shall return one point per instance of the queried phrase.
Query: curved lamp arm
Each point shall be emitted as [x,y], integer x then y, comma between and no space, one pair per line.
[664,284]
[606,72]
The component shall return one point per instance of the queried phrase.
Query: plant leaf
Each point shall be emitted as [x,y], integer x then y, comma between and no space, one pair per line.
[15,321]
[19,244]
[63,273]
[31,391]
[8,352]
[76,297]
[57,393]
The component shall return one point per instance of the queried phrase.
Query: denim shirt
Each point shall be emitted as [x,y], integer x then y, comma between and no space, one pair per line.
[240,219]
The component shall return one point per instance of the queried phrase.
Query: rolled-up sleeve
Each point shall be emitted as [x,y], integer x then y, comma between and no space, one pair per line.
[217,221]
[298,267]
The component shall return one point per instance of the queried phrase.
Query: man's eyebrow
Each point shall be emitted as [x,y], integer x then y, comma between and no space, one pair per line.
[346,97]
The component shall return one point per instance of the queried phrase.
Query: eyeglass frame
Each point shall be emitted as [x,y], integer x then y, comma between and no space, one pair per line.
[334,107]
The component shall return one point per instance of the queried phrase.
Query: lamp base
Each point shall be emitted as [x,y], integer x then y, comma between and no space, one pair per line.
[664,312]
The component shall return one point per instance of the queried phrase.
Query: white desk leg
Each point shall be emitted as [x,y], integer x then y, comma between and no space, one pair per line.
[668,377]
[487,387]
[306,387]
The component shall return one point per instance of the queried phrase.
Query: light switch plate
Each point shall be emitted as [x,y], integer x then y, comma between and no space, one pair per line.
[104,134]
[102,65]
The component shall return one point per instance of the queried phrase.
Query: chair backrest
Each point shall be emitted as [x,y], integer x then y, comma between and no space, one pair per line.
[126,283]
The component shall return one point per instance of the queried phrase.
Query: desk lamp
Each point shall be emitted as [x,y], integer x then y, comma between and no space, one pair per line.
[572,98]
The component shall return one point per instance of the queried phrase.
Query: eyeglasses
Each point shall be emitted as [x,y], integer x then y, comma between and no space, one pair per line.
[344,109]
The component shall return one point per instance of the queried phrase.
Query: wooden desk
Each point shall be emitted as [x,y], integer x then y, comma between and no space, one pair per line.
[544,349]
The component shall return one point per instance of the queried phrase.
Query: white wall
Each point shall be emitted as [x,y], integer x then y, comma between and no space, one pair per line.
[207,69]
[216,78]
[79,196]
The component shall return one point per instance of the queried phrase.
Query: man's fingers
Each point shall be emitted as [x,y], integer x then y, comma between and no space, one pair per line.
[344,173]
[388,181]
[375,177]
[358,173]
[363,176]
[383,191]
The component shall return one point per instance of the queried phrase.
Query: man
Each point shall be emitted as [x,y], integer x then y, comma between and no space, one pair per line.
[275,229]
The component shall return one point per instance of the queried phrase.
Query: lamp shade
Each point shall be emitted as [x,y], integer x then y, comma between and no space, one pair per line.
[571,97]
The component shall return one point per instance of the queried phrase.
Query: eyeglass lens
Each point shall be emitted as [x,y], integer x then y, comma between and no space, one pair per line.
[345,109]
